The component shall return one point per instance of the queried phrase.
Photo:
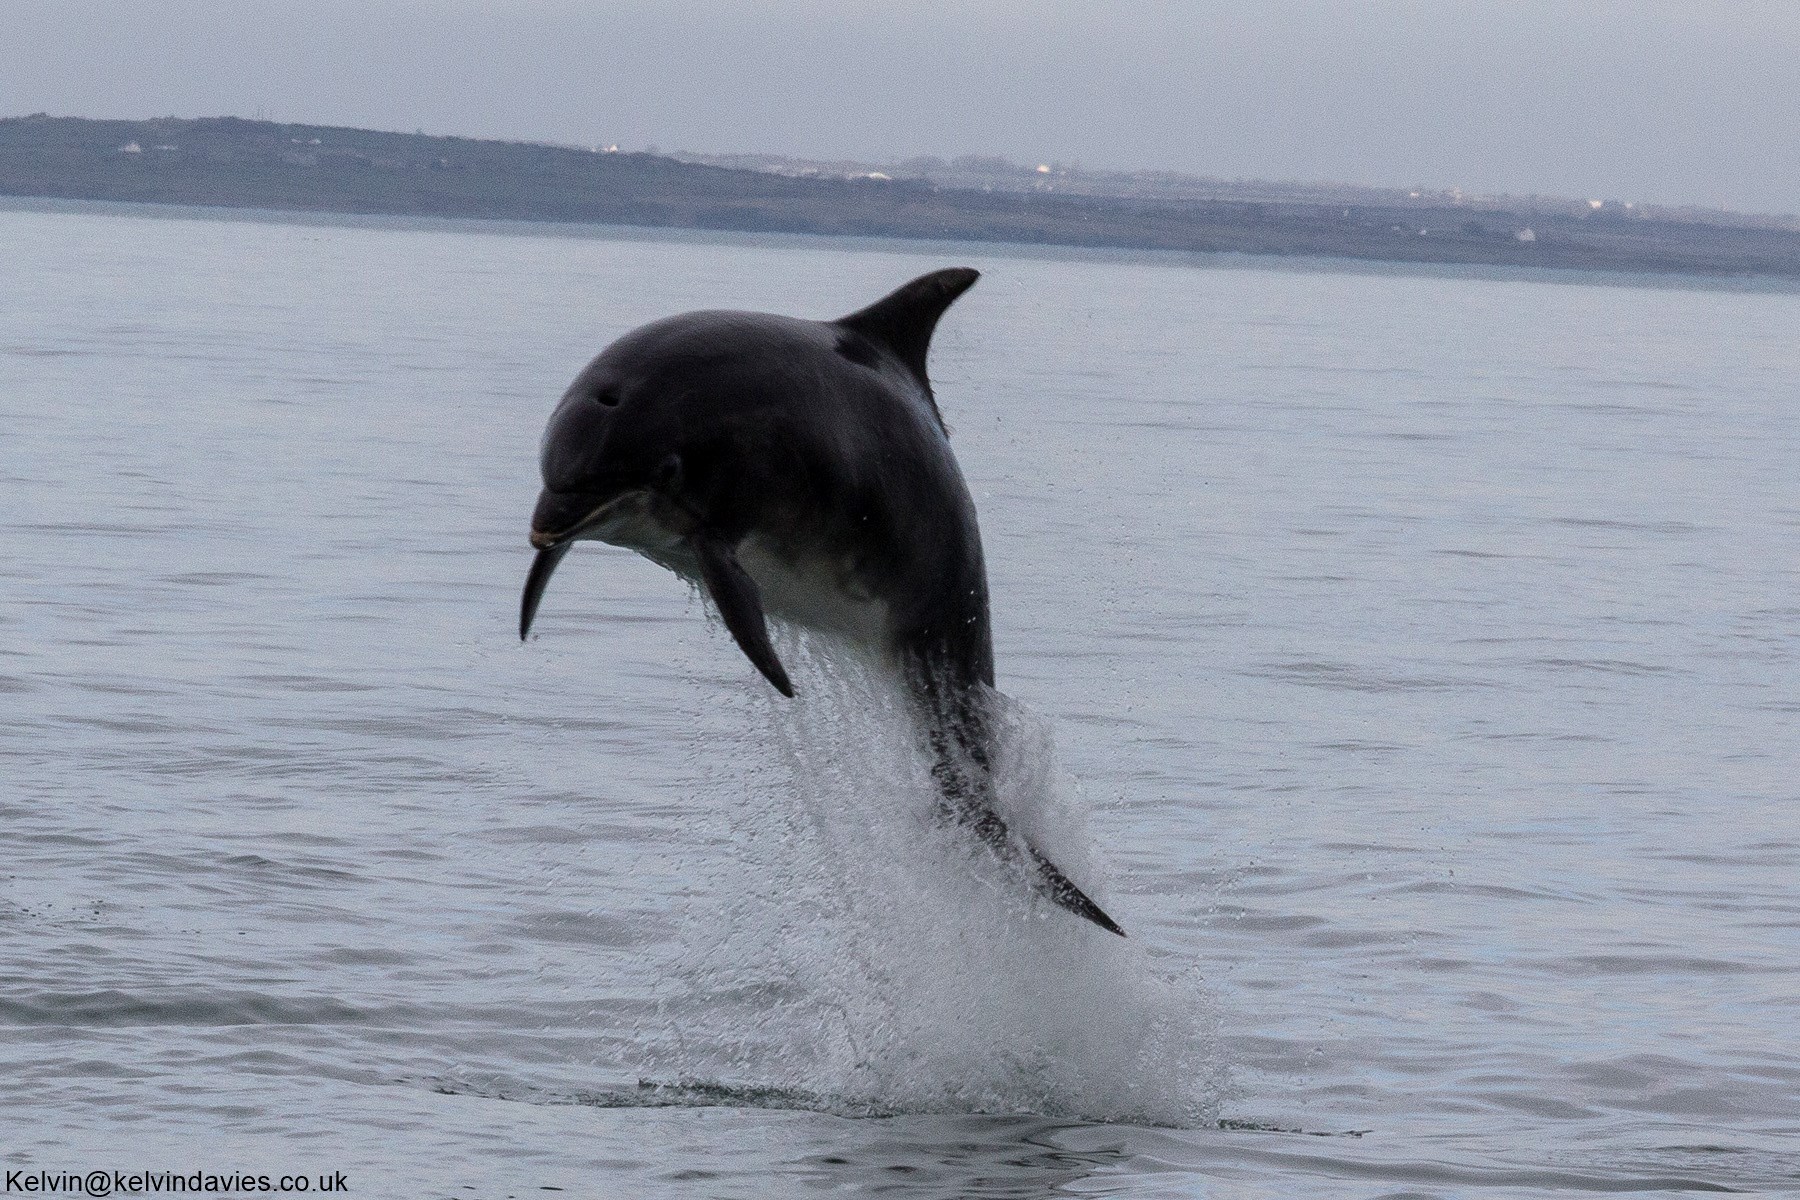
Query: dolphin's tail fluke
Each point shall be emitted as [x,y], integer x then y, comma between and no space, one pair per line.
[957,729]
[1058,888]
[1050,883]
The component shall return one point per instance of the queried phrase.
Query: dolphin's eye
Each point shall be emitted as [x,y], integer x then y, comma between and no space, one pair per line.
[609,399]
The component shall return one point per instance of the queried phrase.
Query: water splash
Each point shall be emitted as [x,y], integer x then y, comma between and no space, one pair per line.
[850,947]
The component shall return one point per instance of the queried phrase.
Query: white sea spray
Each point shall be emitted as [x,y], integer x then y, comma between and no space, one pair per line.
[856,954]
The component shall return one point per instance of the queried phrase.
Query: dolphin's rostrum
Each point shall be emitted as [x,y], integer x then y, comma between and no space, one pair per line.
[800,469]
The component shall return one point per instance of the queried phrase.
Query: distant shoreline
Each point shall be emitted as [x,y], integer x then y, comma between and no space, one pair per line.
[960,250]
[231,164]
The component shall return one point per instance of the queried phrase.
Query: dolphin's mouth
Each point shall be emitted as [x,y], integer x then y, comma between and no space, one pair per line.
[561,517]
[637,518]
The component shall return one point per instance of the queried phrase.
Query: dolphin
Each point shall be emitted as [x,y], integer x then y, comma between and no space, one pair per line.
[801,469]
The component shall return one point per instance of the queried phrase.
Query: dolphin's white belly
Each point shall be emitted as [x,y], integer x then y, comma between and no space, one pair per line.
[818,592]
[637,521]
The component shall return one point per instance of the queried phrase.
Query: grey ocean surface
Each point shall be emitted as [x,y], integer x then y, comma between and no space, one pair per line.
[1410,659]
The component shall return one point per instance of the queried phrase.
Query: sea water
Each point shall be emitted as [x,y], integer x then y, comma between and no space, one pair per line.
[1409,658]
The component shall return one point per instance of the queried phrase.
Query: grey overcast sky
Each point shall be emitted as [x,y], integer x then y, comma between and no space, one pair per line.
[1652,100]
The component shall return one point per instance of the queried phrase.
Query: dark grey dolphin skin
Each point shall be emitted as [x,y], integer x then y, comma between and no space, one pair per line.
[800,469]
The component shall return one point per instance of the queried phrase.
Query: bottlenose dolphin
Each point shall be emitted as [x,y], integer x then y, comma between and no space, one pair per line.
[800,469]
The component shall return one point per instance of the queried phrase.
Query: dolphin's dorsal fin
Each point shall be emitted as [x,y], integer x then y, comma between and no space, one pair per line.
[903,319]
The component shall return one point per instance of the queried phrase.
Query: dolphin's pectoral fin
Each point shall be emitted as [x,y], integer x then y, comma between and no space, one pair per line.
[740,604]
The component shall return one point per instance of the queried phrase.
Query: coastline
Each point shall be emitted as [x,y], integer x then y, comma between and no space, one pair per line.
[224,165]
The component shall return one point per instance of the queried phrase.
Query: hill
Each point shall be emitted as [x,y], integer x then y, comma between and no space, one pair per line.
[230,162]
